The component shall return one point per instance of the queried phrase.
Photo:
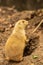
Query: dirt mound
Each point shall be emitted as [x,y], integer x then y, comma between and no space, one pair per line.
[33,53]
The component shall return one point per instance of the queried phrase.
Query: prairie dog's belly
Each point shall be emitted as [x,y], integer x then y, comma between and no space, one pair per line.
[14,52]
[14,47]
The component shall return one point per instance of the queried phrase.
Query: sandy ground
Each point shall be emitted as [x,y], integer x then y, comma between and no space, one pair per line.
[34,49]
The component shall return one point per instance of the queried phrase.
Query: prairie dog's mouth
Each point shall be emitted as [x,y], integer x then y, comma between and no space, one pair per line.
[28,26]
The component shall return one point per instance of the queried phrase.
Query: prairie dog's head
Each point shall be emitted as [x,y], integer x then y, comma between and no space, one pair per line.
[21,24]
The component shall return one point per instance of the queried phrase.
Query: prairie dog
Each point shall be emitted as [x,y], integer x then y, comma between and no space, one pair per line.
[15,44]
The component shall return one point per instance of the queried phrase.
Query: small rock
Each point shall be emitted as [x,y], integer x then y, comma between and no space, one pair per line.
[2,19]
[1,60]
[2,29]
[10,26]
[7,29]
[10,9]
[39,12]
[3,11]
[6,22]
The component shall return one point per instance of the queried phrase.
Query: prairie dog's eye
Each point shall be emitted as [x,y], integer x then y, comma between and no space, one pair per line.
[23,21]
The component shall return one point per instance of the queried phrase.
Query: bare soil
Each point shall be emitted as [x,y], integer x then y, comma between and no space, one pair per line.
[33,52]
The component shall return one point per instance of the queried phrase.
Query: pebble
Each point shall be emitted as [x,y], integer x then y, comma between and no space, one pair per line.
[2,29]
